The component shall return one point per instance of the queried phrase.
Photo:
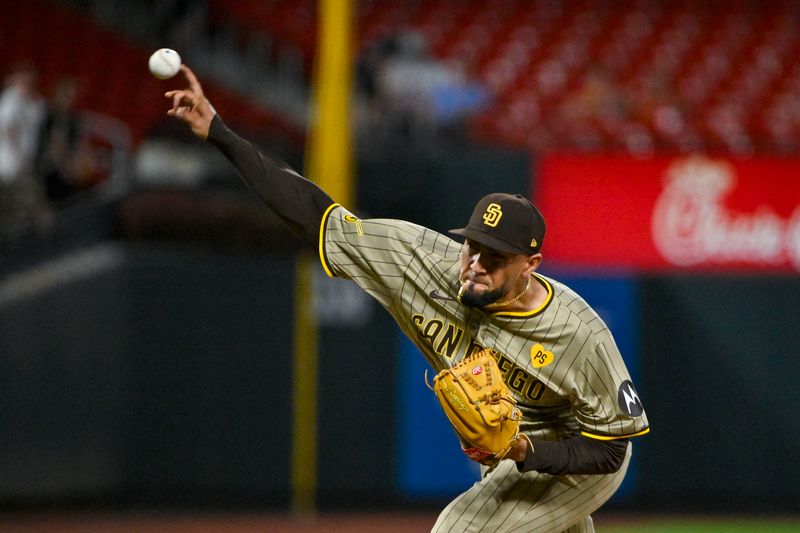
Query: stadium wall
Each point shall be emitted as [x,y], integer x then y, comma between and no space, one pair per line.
[162,378]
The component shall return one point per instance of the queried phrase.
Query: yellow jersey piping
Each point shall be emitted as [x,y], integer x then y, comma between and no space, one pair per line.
[539,309]
[322,224]
[605,437]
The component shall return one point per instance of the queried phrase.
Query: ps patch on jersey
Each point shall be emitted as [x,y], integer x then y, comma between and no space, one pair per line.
[540,357]
[629,400]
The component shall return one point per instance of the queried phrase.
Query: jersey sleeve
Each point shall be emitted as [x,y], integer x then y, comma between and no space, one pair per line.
[607,406]
[374,253]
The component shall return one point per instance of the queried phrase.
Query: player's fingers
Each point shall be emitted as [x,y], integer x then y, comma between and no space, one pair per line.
[181,98]
[176,99]
[194,85]
[179,112]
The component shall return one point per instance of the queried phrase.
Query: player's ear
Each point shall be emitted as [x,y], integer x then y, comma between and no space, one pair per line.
[532,263]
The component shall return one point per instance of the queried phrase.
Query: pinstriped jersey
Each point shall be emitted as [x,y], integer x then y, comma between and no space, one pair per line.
[560,361]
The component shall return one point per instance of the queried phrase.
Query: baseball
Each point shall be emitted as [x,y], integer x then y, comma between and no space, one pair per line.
[164,63]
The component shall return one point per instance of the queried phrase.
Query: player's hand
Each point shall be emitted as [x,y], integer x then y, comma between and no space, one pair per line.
[191,106]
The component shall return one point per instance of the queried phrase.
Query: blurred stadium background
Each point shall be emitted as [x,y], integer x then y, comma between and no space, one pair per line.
[149,305]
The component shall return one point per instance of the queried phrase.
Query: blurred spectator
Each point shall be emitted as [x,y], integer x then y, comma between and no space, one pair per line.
[659,106]
[21,112]
[458,96]
[403,82]
[417,93]
[599,110]
[600,97]
[61,162]
[368,67]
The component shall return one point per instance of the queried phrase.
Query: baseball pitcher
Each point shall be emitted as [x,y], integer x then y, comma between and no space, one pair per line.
[528,374]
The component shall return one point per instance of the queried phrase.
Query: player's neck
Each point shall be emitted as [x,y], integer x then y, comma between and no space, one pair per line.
[530,297]
[537,295]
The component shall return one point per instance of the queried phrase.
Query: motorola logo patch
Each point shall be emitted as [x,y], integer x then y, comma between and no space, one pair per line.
[629,400]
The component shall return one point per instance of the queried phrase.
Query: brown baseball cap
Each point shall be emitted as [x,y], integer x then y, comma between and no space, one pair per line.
[505,222]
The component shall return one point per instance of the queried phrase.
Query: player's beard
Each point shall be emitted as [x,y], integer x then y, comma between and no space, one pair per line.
[482,299]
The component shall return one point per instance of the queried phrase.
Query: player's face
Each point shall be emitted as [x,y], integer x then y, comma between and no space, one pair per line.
[489,275]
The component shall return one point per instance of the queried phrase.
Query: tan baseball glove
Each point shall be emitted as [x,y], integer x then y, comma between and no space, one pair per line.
[478,404]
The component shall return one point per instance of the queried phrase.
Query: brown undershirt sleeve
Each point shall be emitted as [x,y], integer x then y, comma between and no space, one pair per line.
[575,455]
[297,201]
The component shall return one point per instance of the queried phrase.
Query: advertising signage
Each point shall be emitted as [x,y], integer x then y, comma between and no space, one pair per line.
[683,212]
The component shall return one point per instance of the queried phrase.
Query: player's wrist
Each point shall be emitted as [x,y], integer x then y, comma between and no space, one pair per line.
[520,449]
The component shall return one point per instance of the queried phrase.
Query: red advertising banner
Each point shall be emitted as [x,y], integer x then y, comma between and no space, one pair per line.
[681,212]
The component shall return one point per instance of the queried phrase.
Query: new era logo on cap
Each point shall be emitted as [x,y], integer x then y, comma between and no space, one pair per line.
[505,222]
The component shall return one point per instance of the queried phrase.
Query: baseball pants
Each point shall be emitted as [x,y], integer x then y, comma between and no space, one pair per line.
[507,501]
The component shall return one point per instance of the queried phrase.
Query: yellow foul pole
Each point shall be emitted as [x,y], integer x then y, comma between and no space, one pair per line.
[329,164]
[330,157]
